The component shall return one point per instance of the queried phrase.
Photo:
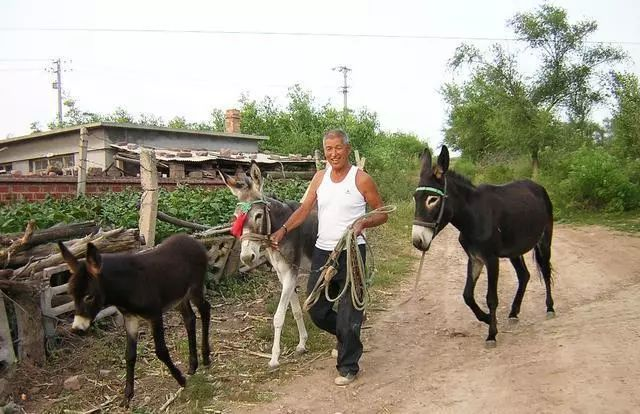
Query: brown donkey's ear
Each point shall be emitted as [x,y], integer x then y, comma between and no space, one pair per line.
[443,162]
[94,260]
[68,257]
[425,165]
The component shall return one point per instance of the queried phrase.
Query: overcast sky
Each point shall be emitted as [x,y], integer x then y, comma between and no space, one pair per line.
[189,74]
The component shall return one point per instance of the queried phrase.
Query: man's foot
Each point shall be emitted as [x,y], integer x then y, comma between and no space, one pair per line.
[334,353]
[345,380]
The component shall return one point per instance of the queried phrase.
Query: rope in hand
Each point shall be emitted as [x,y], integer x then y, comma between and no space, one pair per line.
[357,277]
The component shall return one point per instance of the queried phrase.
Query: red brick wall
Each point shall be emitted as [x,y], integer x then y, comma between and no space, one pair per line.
[37,188]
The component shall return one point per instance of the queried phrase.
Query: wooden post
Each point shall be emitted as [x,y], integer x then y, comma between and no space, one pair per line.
[316,156]
[7,355]
[359,161]
[82,172]
[149,203]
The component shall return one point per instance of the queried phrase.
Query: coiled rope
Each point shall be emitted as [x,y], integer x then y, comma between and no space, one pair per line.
[358,278]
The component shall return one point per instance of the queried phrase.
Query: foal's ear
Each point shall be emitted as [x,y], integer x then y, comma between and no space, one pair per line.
[256,176]
[68,257]
[443,162]
[94,260]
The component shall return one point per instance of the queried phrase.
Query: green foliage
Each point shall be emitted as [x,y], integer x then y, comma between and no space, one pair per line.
[120,209]
[500,111]
[393,163]
[626,117]
[596,180]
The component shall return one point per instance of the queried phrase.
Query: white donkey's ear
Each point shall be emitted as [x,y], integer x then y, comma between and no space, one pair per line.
[256,177]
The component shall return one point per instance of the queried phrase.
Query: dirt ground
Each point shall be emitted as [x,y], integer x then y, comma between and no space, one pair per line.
[429,355]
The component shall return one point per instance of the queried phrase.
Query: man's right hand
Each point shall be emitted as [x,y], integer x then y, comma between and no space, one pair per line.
[277,237]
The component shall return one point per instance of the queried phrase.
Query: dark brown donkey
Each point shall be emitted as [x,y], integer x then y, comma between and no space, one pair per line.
[494,221]
[144,285]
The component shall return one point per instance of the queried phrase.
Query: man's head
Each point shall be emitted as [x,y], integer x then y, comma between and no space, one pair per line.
[336,148]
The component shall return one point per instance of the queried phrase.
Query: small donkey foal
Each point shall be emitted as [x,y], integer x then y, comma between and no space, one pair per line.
[144,285]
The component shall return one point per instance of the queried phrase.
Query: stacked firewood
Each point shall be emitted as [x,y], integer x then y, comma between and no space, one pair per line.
[24,255]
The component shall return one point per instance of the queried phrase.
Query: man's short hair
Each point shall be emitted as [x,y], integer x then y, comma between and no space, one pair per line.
[336,133]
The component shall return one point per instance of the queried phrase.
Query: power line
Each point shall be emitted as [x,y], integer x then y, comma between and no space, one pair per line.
[275,33]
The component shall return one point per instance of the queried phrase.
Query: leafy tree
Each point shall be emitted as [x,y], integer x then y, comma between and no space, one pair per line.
[625,123]
[500,111]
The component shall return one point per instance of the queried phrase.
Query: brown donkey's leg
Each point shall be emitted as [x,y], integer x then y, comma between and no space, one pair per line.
[204,308]
[162,352]
[189,319]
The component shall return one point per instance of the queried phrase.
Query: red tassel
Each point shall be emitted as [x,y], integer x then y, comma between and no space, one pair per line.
[238,224]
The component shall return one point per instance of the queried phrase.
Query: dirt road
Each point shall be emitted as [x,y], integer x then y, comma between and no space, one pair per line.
[429,355]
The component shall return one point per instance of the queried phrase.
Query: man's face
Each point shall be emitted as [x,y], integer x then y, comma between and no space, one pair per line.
[336,152]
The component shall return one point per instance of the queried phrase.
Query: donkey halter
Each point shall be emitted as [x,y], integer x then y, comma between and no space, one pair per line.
[443,194]
[259,237]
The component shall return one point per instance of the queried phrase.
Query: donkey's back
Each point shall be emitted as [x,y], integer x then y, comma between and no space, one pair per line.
[161,275]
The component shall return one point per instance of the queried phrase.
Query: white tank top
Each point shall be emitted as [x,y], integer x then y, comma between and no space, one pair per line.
[339,204]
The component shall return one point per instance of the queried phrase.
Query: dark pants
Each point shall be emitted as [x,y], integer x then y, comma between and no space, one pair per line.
[344,324]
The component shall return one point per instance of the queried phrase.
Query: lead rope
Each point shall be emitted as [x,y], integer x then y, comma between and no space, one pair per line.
[415,285]
[356,278]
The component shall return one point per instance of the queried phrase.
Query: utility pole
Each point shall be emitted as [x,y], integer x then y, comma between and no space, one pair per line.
[345,87]
[57,69]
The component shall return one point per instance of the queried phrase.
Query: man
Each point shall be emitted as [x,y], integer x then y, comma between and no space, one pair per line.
[342,192]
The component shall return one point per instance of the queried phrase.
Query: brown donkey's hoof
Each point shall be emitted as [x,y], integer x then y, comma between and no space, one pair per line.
[490,344]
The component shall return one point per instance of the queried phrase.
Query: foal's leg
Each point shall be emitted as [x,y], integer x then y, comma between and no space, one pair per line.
[474,268]
[523,278]
[492,298]
[189,319]
[162,352]
[294,301]
[288,287]
[204,308]
[131,326]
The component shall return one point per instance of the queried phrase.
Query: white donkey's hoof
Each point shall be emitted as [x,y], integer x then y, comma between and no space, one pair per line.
[274,363]
[300,349]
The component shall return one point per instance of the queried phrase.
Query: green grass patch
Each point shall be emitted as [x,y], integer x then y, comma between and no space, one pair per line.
[628,221]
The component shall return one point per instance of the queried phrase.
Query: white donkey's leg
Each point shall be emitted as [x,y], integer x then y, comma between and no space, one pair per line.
[297,315]
[288,287]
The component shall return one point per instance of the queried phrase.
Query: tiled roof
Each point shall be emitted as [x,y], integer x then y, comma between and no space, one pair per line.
[201,155]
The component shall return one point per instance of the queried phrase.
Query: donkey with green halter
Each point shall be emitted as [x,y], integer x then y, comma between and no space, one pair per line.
[494,221]
[259,217]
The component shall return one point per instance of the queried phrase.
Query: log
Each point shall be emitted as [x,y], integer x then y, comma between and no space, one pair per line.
[117,240]
[58,232]
[181,223]
[30,328]
[7,355]
[18,244]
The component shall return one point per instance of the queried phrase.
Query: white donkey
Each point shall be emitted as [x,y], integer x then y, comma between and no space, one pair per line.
[262,216]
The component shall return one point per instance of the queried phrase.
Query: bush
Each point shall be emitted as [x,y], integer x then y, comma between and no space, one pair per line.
[598,180]
[394,162]
[208,207]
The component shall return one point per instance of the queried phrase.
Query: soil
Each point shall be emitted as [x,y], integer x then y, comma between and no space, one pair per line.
[428,355]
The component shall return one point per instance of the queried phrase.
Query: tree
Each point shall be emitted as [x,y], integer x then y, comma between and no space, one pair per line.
[570,76]
[625,123]
[499,110]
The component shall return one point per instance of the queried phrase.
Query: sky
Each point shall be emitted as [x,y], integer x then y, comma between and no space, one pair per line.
[189,74]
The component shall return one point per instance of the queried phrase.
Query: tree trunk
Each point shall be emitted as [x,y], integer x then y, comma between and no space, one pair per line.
[535,164]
